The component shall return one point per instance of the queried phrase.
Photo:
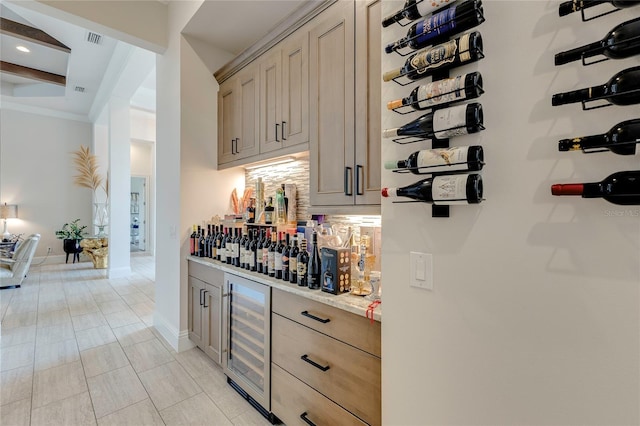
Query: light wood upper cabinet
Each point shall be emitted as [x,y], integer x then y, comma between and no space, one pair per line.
[295,89]
[271,101]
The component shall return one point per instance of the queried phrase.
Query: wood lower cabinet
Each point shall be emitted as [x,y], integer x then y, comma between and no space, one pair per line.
[205,309]
[321,350]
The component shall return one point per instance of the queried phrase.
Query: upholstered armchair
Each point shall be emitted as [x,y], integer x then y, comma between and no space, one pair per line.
[13,270]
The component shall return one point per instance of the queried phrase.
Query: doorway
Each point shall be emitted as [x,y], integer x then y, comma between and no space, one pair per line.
[139,214]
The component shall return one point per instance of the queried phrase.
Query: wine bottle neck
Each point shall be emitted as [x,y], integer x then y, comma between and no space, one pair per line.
[578,53]
[578,95]
[567,189]
[585,142]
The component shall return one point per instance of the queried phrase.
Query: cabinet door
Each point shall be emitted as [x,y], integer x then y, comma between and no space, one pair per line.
[248,112]
[227,120]
[295,89]
[195,322]
[368,100]
[212,320]
[270,101]
[331,90]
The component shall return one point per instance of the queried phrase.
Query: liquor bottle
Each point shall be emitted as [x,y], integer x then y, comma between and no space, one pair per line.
[314,271]
[568,7]
[251,211]
[448,90]
[446,189]
[621,139]
[622,89]
[223,247]
[621,42]
[441,160]
[414,9]
[453,20]
[268,211]
[442,123]
[200,242]
[281,210]
[271,255]
[278,257]
[219,245]
[302,261]
[293,261]
[462,50]
[229,245]
[259,251]
[265,253]
[253,251]
[192,241]
[619,188]
[285,258]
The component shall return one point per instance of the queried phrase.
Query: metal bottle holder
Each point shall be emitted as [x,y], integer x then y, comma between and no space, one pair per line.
[604,98]
[584,57]
[585,19]
[403,22]
[407,109]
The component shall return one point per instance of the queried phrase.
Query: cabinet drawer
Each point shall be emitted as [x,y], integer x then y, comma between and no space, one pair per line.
[290,398]
[206,274]
[345,326]
[337,370]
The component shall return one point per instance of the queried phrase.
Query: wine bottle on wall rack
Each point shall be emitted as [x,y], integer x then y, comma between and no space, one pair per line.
[621,42]
[448,90]
[619,188]
[567,7]
[442,190]
[621,139]
[414,9]
[461,158]
[465,49]
[453,20]
[622,89]
[442,123]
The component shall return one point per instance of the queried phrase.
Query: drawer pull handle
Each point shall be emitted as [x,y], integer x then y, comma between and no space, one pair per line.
[304,417]
[313,317]
[305,358]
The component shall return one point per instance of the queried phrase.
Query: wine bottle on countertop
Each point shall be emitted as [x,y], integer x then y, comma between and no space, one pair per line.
[414,9]
[265,252]
[619,188]
[314,269]
[243,249]
[442,190]
[448,90]
[223,246]
[442,123]
[455,19]
[229,246]
[285,258]
[219,245]
[621,42]
[293,261]
[278,257]
[568,7]
[207,239]
[272,254]
[622,89]
[200,242]
[462,50]
[252,251]
[259,252]
[214,242]
[302,263]
[621,139]
[192,242]
[460,158]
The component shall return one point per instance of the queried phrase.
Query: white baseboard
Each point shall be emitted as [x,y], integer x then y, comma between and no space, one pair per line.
[179,340]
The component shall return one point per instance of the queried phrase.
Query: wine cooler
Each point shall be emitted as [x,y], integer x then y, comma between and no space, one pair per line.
[247,328]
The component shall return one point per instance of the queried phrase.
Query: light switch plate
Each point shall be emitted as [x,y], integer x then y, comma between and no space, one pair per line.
[421,268]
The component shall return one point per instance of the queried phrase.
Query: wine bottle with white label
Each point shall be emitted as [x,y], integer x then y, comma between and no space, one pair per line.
[465,49]
[442,123]
[442,190]
[448,90]
[452,20]
[619,188]
[458,158]
[414,9]
[621,42]
[571,6]
[621,139]
[622,89]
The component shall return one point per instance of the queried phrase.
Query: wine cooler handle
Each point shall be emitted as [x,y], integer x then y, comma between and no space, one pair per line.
[313,317]
[359,171]
[283,131]
[204,300]
[277,125]
[305,358]
[304,417]
[201,302]
[348,181]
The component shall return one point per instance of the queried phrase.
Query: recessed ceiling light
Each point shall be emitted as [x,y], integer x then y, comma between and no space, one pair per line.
[23,49]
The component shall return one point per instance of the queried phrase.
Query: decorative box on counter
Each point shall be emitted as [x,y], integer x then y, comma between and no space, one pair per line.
[336,270]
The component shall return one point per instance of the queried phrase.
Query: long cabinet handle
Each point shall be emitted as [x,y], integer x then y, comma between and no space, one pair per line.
[348,181]
[359,172]
[204,300]
[201,290]
[277,126]
[304,417]
[306,358]
[283,131]
[313,317]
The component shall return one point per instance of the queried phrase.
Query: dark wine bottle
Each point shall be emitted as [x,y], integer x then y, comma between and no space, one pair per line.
[442,123]
[293,261]
[200,242]
[192,241]
[462,50]
[621,139]
[621,42]
[272,255]
[622,89]
[265,253]
[251,211]
[441,160]
[229,245]
[414,9]
[453,20]
[314,271]
[259,252]
[223,246]
[442,190]
[619,188]
[285,258]
[448,90]
[268,212]
[244,249]
[219,247]
[568,7]
[278,257]
[302,262]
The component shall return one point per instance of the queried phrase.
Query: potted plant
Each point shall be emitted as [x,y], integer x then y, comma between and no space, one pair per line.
[71,234]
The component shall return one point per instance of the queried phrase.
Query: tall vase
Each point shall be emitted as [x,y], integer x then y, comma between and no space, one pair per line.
[101,217]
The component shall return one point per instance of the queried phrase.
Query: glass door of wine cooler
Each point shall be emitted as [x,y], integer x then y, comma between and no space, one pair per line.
[247,360]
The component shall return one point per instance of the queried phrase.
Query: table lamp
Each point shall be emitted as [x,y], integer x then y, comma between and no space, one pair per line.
[7,211]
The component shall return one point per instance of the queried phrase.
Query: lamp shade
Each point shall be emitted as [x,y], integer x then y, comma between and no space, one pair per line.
[8,211]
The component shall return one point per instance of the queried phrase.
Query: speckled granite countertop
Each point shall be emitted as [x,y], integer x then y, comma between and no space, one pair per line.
[347,302]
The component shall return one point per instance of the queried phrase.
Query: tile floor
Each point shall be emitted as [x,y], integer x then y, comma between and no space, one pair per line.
[79,349]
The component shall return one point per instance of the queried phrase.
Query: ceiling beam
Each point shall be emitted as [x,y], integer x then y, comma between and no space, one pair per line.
[32,73]
[34,35]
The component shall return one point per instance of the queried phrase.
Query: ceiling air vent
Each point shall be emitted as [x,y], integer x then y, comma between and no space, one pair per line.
[94,38]
[79,89]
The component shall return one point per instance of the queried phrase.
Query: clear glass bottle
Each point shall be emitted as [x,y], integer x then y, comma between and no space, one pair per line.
[366,260]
